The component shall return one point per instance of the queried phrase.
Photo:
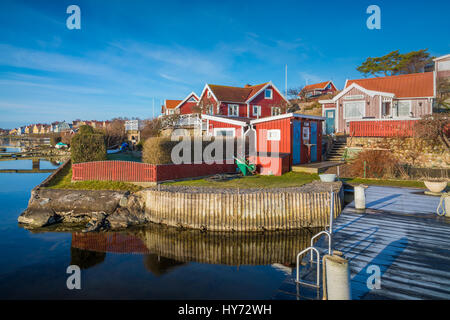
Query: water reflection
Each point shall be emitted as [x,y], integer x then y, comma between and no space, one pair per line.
[165,248]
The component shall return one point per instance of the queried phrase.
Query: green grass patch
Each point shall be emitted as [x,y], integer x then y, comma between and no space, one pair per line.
[384,182]
[290,179]
[62,180]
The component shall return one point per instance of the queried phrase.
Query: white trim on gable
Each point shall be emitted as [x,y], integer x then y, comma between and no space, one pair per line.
[224,120]
[287,115]
[262,90]
[212,93]
[368,92]
[192,94]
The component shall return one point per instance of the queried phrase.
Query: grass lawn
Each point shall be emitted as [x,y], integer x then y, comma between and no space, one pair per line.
[381,182]
[290,179]
[63,181]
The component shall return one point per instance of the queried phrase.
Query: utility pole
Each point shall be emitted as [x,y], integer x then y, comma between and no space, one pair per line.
[285,82]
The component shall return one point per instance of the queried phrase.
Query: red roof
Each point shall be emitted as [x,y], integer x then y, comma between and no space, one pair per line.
[235,94]
[320,85]
[170,104]
[403,86]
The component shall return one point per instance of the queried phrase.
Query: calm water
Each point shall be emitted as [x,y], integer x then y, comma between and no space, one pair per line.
[143,263]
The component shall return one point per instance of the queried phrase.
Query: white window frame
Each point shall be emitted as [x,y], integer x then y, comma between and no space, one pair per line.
[271,93]
[233,106]
[352,102]
[305,134]
[211,110]
[258,113]
[397,109]
[275,108]
[273,135]
[224,129]
[209,94]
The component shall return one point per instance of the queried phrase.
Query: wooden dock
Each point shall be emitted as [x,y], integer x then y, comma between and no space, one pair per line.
[402,235]
[315,167]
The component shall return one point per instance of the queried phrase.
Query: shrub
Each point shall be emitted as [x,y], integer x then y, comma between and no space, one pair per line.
[379,164]
[87,145]
[435,129]
[158,150]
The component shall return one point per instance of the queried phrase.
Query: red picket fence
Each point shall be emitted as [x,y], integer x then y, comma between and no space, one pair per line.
[128,171]
[382,128]
[114,171]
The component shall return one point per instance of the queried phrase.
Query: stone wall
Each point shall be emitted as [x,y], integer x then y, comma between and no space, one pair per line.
[412,151]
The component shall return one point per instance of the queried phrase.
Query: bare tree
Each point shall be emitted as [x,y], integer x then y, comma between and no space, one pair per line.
[115,132]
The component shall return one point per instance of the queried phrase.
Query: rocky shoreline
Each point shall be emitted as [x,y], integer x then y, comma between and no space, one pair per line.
[252,209]
[98,210]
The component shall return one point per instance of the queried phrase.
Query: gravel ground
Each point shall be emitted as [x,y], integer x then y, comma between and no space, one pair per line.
[315,186]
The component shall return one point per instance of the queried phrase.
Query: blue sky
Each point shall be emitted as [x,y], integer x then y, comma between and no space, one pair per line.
[128,53]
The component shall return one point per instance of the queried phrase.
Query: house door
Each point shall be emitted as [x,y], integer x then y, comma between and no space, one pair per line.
[296,142]
[313,139]
[330,114]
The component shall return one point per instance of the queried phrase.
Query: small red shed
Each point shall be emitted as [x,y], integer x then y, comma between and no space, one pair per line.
[226,126]
[292,138]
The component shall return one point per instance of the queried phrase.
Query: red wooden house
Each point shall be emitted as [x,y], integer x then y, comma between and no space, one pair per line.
[318,89]
[257,101]
[184,106]
[380,107]
[281,141]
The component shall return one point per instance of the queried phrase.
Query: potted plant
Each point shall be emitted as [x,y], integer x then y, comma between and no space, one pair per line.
[435,184]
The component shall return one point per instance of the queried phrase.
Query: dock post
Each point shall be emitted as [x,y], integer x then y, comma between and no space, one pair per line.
[360,197]
[336,278]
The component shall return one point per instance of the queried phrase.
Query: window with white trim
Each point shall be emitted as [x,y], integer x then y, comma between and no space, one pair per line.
[273,135]
[211,110]
[224,132]
[275,111]
[354,109]
[233,110]
[268,94]
[209,94]
[257,111]
[403,108]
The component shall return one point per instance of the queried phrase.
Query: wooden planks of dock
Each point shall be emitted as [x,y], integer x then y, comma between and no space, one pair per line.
[400,234]
[315,167]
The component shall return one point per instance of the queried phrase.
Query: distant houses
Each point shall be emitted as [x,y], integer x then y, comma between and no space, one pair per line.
[56,127]
[317,90]
[185,106]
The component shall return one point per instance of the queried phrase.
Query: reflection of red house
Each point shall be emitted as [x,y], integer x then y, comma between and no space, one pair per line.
[180,106]
[318,89]
[109,242]
[262,100]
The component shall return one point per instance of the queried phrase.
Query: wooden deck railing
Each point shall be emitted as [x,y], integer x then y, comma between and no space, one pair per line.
[382,128]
